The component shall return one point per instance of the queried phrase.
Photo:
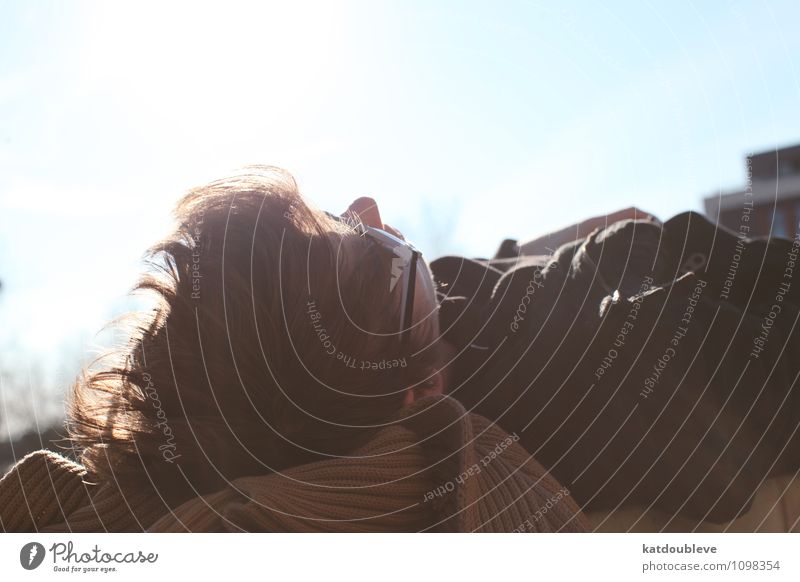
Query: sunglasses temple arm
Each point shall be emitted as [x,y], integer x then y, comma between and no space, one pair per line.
[408,302]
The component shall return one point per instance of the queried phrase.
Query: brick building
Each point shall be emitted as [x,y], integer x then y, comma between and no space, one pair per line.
[771,195]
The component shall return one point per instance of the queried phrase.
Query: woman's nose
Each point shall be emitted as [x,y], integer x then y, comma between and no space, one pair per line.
[367,211]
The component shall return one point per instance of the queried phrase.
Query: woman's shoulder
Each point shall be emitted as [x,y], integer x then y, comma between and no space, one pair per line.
[40,490]
[486,479]
[435,467]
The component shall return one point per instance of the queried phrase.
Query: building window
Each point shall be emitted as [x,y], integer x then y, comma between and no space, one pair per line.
[779,223]
[796,217]
[786,167]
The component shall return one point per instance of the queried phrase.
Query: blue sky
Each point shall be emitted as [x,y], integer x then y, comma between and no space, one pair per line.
[470,122]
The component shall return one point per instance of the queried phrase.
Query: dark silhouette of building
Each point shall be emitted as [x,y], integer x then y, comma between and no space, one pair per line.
[770,200]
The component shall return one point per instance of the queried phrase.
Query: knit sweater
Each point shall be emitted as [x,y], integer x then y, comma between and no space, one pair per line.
[439,468]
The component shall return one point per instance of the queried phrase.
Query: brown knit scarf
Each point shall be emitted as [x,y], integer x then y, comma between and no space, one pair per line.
[438,469]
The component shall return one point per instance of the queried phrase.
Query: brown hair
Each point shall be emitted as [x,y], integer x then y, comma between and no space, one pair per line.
[271,345]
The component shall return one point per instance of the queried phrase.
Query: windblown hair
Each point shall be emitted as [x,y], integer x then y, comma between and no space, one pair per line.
[254,359]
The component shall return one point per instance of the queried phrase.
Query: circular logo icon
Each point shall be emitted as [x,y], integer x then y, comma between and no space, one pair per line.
[31,555]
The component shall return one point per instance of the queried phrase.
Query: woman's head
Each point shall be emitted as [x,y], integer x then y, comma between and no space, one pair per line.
[275,342]
[421,290]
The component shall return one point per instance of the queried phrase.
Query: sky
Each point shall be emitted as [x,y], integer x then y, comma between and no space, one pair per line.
[469,122]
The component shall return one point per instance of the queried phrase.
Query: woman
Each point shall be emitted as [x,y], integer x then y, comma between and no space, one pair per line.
[289,379]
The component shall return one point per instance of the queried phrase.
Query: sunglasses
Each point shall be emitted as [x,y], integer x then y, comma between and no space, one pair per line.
[404,267]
